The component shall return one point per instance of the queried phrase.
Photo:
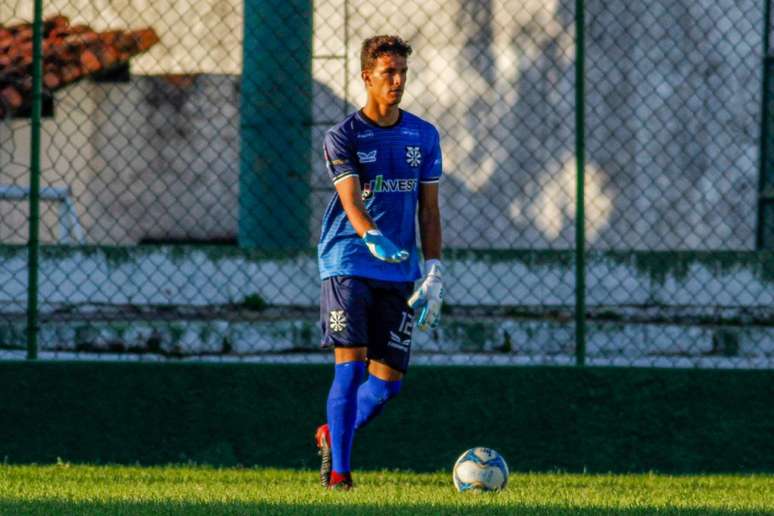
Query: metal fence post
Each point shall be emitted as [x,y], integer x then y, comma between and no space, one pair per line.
[763,152]
[33,244]
[272,64]
[580,216]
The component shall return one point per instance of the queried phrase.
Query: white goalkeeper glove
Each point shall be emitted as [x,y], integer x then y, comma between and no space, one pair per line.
[428,297]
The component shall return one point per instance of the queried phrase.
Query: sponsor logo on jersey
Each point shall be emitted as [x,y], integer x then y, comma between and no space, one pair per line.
[413,156]
[365,134]
[338,320]
[380,184]
[367,157]
[409,132]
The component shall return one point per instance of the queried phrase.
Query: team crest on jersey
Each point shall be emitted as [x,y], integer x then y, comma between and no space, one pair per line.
[413,156]
[338,320]
[367,157]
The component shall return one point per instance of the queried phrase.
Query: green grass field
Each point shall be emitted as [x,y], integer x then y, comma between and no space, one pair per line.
[70,489]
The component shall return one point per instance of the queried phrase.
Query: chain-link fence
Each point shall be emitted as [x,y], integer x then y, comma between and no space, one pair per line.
[673,114]
[182,181]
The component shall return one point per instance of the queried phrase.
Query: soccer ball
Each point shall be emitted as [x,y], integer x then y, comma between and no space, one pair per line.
[480,469]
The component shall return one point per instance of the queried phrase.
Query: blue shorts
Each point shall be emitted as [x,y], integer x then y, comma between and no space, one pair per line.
[362,312]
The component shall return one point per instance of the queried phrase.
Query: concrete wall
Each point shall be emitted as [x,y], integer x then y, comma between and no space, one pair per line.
[191,276]
[153,158]
[645,309]
[673,113]
[583,420]
[673,90]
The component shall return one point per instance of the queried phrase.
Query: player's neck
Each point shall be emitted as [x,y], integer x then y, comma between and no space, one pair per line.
[383,115]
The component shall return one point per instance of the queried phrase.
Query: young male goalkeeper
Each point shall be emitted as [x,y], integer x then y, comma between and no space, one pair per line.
[385,164]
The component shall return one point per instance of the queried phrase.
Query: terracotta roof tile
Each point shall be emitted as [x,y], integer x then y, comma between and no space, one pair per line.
[70,52]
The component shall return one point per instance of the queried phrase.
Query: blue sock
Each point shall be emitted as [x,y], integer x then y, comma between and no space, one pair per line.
[342,409]
[371,398]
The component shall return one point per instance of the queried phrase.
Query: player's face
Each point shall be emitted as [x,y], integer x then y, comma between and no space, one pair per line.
[386,81]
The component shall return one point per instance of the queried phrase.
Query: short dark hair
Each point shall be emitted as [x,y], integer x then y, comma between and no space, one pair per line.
[377,46]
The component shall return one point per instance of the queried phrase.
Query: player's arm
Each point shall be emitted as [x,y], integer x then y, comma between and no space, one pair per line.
[430,221]
[351,199]
[427,299]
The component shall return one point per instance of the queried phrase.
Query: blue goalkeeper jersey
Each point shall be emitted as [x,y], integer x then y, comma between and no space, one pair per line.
[391,163]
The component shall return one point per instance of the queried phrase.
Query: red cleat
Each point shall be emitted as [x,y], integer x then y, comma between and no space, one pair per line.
[323,440]
[340,481]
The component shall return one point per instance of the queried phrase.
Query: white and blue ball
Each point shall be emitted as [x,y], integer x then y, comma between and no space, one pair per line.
[480,469]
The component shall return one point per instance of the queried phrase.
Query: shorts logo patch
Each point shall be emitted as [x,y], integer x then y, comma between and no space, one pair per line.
[338,320]
[396,342]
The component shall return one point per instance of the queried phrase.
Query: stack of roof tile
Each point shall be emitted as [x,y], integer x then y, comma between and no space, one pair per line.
[70,52]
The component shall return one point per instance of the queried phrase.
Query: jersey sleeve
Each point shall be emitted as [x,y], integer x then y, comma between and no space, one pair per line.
[338,156]
[432,166]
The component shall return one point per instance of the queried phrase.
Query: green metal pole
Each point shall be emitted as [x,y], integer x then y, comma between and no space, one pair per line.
[580,215]
[275,126]
[33,244]
[764,130]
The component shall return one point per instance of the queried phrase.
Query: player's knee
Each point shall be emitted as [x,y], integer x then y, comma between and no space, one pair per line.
[384,372]
[386,390]
[354,354]
[346,379]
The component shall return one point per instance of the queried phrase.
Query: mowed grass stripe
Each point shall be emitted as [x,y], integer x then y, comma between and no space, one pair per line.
[71,489]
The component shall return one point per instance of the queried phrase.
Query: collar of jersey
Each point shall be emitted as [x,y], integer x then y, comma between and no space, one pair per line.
[363,118]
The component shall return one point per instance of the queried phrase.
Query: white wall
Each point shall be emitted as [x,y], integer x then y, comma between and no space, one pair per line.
[673,98]
[144,159]
[673,102]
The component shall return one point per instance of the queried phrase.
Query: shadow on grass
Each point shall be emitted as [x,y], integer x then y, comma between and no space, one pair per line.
[237,508]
